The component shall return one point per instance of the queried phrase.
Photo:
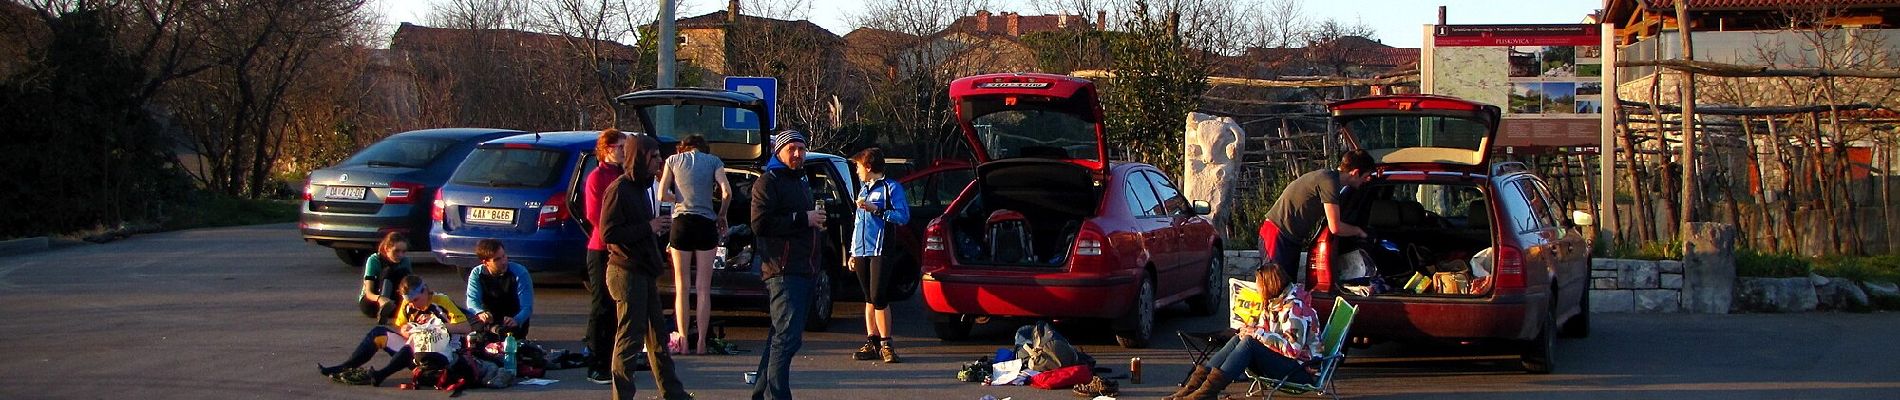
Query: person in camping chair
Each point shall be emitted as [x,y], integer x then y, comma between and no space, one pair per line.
[424,313]
[1281,339]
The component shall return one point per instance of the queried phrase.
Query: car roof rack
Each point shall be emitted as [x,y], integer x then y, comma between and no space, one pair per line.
[1506,167]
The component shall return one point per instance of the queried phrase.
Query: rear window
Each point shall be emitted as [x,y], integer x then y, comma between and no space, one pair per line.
[401,152]
[1034,126]
[506,167]
[1408,131]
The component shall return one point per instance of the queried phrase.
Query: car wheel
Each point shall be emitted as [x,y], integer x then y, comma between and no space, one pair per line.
[1215,296]
[819,320]
[352,257]
[952,327]
[1133,331]
[1540,354]
[1579,326]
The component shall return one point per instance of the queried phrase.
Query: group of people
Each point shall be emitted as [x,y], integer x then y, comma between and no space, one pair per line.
[624,261]
[415,325]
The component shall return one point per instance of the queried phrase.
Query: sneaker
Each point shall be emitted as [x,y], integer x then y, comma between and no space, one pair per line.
[599,377]
[352,376]
[1098,387]
[867,352]
[890,356]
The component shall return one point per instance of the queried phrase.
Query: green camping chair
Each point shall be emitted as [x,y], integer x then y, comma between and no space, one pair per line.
[1333,344]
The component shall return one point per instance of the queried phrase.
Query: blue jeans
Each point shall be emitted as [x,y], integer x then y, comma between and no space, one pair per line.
[1241,354]
[790,298]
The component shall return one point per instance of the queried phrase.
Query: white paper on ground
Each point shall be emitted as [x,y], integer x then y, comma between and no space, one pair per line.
[536,382]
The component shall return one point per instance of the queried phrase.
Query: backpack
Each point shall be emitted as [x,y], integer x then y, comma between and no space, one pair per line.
[1042,348]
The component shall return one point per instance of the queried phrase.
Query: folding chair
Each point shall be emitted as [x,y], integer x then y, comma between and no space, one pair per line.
[1332,343]
[1201,345]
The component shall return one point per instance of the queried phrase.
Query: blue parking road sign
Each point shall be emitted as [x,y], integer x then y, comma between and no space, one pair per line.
[763,87]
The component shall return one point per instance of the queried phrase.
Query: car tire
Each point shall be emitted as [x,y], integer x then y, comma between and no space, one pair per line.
[353,257]
[1579,326]
[1134,330]
[1540,354]
[819,318]
[951,327]
[1210,301]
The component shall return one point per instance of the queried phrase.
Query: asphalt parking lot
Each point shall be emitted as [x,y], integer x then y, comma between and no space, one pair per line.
[247,312]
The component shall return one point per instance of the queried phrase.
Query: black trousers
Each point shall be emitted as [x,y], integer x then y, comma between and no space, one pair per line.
[601,322]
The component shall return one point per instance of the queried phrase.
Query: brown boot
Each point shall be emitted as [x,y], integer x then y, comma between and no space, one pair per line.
[1194,381]
[1210,390]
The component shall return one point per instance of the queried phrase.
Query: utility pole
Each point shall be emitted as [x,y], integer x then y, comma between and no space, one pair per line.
[1686,90]
[669,40]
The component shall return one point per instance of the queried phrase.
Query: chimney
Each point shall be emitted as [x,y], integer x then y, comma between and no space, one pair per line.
[1062,20]
[1101,20]
[1014,23]
[982,21]
[732,11]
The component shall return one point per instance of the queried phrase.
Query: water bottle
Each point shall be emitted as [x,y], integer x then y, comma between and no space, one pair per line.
[508,352]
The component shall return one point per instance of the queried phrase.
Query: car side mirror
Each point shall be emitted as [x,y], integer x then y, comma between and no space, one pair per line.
[1582,218]
[1202,208]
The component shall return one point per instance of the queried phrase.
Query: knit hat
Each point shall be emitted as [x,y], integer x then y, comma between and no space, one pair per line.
[785,137]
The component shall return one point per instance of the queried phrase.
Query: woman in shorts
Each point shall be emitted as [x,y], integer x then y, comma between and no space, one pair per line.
[692,180]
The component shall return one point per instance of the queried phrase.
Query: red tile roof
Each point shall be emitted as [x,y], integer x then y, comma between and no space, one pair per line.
[717,19]
[1764,4]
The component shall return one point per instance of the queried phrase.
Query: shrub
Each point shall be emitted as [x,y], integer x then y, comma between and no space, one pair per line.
[1752,263]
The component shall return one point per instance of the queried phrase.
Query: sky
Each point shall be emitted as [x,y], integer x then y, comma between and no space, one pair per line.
[1397,22]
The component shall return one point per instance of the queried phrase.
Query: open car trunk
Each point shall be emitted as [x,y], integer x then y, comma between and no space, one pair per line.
[1025,212]
[1426,239]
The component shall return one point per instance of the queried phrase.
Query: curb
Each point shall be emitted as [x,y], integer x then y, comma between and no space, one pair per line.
[24,246]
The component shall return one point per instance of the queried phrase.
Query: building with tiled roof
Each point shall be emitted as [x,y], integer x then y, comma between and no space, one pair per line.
[1016,25]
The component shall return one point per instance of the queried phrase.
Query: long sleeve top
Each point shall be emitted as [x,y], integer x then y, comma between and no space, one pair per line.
[1286,325]
[494,293]
[867,236]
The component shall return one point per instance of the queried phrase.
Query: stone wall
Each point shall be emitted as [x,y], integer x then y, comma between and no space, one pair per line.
[1640,286]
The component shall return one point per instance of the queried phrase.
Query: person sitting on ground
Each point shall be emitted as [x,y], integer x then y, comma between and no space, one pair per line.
[1279,342]
[425,312]
[500,293]
[381,272]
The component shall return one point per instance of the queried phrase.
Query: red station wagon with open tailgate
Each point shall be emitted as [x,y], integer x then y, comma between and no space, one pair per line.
[1488,252]
[1051,229]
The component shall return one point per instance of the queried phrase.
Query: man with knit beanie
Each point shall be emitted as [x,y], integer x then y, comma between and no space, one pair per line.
[786,222]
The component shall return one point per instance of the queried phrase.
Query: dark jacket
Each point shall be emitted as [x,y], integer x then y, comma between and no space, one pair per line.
[631,243]
[786,242]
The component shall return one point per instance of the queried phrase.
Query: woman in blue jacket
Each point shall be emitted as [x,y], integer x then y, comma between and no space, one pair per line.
[881,203]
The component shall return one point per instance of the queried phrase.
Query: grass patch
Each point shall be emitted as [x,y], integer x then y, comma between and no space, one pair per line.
[210,211]
[1751,263]
[1860,269]
[1659,250]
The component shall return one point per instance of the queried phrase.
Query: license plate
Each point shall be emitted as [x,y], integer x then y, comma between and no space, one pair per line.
[491,215]
[345,192]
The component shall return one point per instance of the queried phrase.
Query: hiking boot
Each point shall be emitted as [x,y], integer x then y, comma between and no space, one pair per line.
[890,356]
[869,351]
[600,377]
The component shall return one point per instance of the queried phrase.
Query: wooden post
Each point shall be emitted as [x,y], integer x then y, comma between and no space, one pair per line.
[1606,146]
[1687,87]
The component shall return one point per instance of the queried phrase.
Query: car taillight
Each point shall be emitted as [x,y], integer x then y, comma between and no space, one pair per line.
[435,213]
[1510,267]
[554,210]
[402,192]
[309,190]
[1091,249]
[1321,275]
[936,247]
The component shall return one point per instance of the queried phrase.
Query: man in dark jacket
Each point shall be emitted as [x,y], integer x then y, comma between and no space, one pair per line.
[786,223]
[632,230]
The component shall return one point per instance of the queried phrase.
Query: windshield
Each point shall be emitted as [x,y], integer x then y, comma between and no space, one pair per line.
[1410,131]
[505,167]
[401,152]
[1035,133]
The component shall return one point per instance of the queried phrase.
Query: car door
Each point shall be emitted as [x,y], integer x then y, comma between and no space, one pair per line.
[1175,207]
[1573,252]
[1536,232]
[1151,222]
